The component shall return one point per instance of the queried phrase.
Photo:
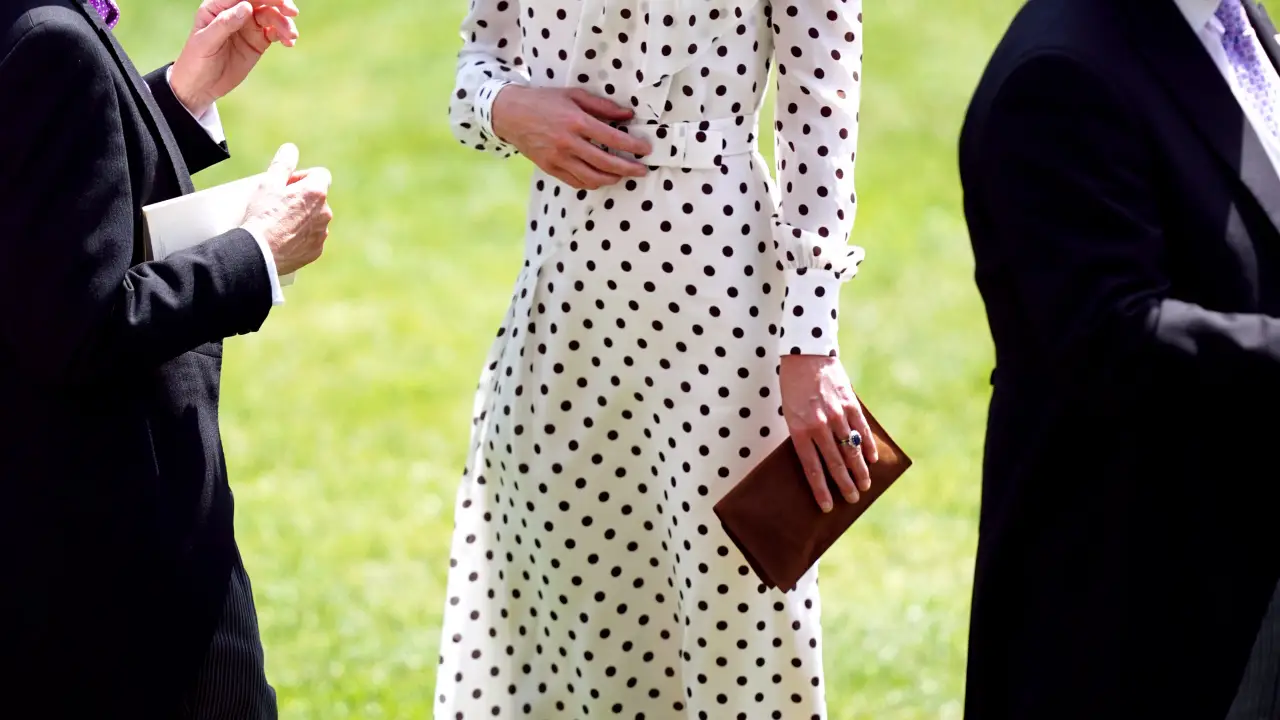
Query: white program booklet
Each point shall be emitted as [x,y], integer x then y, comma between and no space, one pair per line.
[189,220]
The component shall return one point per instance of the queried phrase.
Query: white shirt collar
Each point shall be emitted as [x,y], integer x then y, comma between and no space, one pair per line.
[1198,12]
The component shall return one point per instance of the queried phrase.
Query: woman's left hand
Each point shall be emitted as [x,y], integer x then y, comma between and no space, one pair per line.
[823,414]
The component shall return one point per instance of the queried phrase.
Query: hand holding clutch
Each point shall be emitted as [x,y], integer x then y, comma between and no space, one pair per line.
[772,518]
[830,433]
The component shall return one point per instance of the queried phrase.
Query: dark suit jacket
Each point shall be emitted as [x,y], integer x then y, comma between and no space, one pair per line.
[115,513]
[1123,216]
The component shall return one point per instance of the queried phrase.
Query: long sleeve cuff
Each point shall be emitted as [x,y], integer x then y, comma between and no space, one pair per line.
[485,97]
[211,121]
[810,313]
[277,291]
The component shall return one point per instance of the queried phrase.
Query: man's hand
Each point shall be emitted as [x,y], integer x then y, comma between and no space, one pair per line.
[555,128]
[227,41]
[291,211]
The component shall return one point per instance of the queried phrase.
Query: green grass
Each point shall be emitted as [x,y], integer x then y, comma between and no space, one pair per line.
[346,419]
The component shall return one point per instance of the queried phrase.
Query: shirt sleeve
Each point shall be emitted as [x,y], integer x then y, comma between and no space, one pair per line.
[819,57]
[211,121]
[488,62]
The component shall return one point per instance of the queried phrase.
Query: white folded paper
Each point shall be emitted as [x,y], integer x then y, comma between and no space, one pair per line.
[189,220]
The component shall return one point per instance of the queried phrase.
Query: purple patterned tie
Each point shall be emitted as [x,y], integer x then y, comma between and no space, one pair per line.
[109,11]
[1253,73]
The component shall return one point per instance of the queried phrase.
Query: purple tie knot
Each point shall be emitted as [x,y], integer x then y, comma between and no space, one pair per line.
[1234,21]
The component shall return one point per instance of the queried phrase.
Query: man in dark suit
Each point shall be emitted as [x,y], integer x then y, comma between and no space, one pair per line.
[1120,185]
[123,592]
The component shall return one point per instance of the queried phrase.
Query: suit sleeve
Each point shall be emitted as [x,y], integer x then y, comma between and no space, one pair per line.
[199,150]
[1073,177]
[76,308]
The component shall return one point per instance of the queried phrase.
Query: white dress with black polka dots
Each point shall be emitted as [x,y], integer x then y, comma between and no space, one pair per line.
[634,379]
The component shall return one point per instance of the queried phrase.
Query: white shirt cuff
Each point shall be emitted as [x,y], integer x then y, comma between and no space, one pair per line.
[211,121]
[277,292]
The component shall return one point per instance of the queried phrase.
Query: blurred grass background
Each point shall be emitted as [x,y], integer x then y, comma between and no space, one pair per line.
[346,419]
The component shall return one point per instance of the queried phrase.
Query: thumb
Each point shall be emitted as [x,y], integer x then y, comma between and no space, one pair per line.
[225,24]
[599,107]
[282,166]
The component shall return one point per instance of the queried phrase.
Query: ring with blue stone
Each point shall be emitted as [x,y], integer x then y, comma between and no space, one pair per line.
[854,439]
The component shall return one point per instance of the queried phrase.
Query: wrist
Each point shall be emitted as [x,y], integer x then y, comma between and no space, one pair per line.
[261,234]
[495,96]
[196,103]
[808,359]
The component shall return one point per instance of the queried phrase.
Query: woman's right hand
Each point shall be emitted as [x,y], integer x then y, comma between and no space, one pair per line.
[555,128]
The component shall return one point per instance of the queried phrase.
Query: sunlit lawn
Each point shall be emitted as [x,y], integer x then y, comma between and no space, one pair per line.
[346,419]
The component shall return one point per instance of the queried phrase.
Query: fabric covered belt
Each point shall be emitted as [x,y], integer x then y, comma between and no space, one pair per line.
[695,145]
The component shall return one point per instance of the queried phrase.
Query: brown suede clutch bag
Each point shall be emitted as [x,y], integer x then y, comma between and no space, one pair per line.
[773,519]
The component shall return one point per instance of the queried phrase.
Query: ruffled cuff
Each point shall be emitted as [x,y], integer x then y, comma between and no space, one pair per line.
[810,313]
[485,98]
[806,250]
[815,266]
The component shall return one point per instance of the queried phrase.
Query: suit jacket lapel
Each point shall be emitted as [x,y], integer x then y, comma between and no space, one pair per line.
[1177,57]
[142,94]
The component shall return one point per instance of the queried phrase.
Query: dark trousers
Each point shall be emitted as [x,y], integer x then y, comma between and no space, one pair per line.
[1259,695]
[232,684]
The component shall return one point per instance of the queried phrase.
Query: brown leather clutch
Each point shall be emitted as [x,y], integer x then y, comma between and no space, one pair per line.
[773,519]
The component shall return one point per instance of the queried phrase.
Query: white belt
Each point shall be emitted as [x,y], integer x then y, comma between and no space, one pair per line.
[695,145]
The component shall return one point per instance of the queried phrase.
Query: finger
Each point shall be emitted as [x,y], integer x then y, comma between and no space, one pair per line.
[567,178]
[318,226]
[592,177]
[609,163]
[315,180]
[283,165]
[614,138]
[813,470]
[217,7]
[288,8]
[599,107]
[276,26]
[826,443]
[318,218]
[225,23]
[321,218]
[858,421]
[853,456]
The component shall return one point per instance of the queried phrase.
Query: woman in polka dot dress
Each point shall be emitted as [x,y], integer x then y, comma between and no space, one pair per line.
[674,319]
